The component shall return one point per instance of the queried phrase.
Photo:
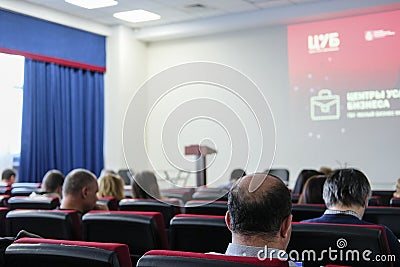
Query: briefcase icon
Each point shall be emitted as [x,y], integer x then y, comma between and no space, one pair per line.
[325,106]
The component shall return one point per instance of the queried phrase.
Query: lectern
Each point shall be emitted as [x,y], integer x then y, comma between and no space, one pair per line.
[200,152]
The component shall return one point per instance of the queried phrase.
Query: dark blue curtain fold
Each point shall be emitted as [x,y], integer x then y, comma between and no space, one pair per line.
[62,120]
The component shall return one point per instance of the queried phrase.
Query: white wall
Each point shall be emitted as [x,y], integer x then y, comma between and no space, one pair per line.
[126,70]
[258,53]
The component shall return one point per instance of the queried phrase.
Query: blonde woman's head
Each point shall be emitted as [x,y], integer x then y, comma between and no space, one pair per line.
[111,185]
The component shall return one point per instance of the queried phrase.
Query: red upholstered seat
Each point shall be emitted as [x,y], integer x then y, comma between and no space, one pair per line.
[4,200]
[110,202]
[182,194]
[307,211]
[168,210]
[206,207]
[59,253]
[57,224]
[199,233]
[320,237]
[3,213]
[388,216]
[38,202]
[375,201]
[395,202]
[141,231]
[161,258]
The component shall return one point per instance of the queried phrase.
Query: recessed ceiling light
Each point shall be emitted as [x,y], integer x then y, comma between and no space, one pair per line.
[138,15]
[91,4]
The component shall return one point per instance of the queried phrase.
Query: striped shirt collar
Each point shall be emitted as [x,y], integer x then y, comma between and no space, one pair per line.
[345,212]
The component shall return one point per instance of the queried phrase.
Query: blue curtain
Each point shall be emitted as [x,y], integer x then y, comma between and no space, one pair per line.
[62,120]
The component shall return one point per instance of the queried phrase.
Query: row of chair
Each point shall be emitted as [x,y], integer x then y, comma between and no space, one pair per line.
[141,231]
[388,216]
[320,238]
[168,207]
[379,197]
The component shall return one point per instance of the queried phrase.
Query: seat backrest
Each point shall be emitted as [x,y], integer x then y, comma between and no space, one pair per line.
[206,207]
[141,231]
[385,195]
[183,195]
[199,233]
[310,243]
[395,202]
[162,258]
[166,209]
[35,252]
[211,195]
[110,202]
[24,191]
[26,185]
[3,213]
[281,173]
[37,202]
[307,211]
[302,178]
[57,224]
[4,200]
[375,201]
[388,216]
[5,190]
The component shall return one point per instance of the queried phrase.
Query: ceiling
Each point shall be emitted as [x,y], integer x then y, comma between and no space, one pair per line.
[186,18]
[171,11]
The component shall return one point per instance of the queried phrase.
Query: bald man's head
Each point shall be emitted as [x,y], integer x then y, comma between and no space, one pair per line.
[258,204]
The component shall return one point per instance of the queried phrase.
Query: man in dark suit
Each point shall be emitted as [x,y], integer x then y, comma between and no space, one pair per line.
[346,193]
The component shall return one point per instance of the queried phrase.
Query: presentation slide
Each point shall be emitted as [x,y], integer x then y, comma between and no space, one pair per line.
[344,77]
[346,69]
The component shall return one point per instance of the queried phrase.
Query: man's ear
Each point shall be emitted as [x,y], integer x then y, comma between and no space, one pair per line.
[84,192]
[286,227]
[228,220]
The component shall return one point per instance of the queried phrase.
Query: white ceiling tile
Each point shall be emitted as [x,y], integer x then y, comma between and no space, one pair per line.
[169,10]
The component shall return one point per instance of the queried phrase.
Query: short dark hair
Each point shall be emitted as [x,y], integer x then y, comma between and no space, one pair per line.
[76,180]
[346,187]
[7,174]
[52,180]
[261,211]
[237,173]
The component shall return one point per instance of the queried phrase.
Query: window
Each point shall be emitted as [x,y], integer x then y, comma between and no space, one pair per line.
[12,79]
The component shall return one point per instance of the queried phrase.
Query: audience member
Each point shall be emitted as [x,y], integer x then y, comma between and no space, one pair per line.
[302,178]
[145,186]
[104,172]
[52,184]
[111,185]
[8,176]
[260,220]
[397,192]
[346,193]
[312,190]
[235,175]
[79,191]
